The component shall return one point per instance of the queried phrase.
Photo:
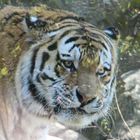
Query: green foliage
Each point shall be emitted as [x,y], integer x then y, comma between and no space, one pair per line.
[135,4]
[106,125]
[56,3]
[53,3]
[129,46]
[130,24]
[69,1]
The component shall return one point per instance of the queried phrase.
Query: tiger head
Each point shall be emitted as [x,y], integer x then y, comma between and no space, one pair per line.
[69,72]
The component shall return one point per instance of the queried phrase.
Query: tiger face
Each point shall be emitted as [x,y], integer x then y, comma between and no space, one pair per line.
[69,73]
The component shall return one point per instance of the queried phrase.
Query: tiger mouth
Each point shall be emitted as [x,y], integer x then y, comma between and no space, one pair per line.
[82,108]
[76,110]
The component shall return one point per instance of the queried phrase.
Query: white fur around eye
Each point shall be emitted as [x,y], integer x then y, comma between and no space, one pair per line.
[105,57]
[77,53]
[107,65]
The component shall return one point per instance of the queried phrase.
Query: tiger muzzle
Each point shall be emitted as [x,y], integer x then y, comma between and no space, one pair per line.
[83,99]
[88,86]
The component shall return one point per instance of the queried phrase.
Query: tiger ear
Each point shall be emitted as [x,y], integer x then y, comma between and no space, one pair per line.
[34,27]
[112,32]
[33,22]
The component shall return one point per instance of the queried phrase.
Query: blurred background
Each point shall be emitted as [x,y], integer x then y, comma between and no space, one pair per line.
[125,15]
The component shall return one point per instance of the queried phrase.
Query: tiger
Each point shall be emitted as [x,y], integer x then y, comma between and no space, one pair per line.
[61,68]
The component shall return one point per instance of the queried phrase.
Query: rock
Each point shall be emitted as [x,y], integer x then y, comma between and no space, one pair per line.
[131,79]
[132,88]
[129,102]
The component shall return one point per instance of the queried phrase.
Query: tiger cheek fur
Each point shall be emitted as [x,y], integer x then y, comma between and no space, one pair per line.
[69,70]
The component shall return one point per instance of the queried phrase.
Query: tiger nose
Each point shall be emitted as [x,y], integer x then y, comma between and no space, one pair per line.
[82,98]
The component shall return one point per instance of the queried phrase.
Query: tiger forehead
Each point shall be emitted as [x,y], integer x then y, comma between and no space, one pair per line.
[68,28]
[90,59]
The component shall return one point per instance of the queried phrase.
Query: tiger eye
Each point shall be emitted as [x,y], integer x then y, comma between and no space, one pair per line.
[100,71]
[67,63]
